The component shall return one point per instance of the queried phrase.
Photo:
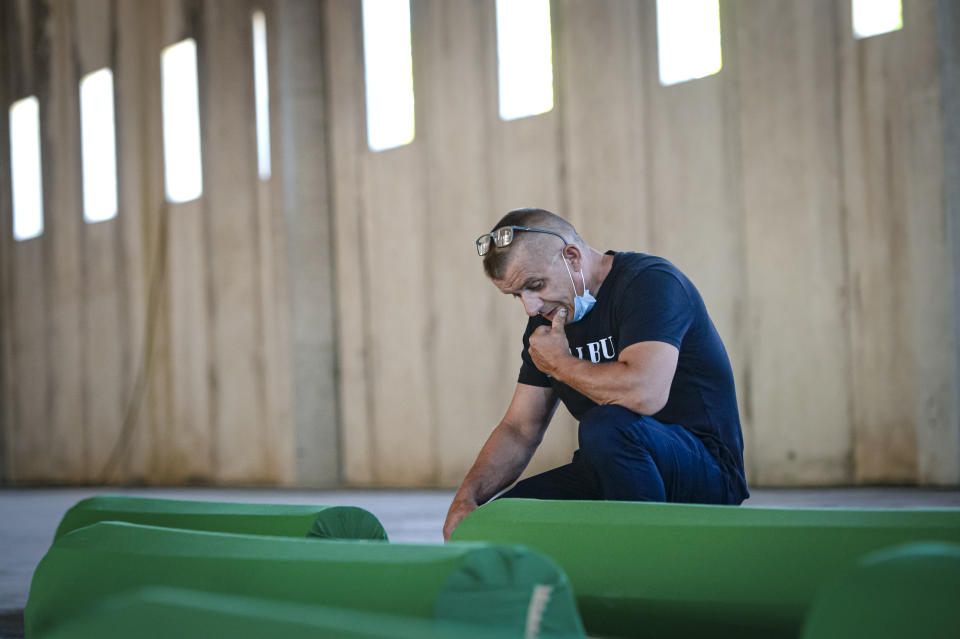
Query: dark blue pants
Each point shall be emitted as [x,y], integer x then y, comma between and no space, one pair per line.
[624,456]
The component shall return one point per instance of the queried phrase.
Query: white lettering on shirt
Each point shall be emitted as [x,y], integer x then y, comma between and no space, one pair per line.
[602,350]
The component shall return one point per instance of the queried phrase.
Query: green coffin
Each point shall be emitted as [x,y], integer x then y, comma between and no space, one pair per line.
[674,570]
[506,588]
[908,591]
[165,613]
[327,522]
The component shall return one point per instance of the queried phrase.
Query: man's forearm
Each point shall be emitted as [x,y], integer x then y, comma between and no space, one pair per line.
[639,379]
[608,383]
[500,462]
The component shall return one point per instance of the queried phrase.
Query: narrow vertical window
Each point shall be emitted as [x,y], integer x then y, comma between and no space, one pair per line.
[388,67]
[25,170]
[525,58]
[261,89]
[688,39]
[98,146]
[873,17]
[181,122]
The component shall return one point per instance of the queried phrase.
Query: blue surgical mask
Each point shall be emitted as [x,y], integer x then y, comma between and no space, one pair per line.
[581,303]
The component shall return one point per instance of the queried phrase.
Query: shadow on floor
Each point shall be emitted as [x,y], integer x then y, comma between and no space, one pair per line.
[11,624]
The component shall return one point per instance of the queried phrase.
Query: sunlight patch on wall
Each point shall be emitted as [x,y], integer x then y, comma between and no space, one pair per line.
[688,39]
[98,146]
[388,69]
[873,17]
[261,88]
[181,122]
[525,58]
[25,168]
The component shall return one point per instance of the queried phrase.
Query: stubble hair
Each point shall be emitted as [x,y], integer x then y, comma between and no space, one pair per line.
[534,246]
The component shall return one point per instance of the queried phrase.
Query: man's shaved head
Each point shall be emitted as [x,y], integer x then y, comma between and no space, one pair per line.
[495,262]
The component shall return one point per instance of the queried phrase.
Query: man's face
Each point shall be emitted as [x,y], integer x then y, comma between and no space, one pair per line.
[540,281]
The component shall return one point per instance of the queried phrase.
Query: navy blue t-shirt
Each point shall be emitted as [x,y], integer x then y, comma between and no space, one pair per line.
[646,298]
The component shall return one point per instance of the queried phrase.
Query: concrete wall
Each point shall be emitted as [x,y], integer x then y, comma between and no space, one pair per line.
[802,188]
[333,323]
[157,346]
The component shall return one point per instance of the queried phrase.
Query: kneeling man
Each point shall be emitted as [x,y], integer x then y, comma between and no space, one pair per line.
[625,342]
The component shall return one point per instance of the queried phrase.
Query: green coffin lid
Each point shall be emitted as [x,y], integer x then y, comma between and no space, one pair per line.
[163,613]
[508,588]
[671,570]
[328,522]
[911,590]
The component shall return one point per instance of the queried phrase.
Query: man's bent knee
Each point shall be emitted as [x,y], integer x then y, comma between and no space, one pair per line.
[608,414]
[604,428]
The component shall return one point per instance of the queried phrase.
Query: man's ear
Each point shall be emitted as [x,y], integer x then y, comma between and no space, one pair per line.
[571,252]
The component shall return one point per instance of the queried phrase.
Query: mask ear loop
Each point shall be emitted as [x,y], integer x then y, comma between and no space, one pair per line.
[572,283]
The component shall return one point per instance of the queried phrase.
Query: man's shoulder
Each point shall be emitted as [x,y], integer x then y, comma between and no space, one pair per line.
[628,266]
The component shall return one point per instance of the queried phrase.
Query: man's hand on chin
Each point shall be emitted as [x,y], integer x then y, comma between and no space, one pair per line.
[460,508]
[549,345]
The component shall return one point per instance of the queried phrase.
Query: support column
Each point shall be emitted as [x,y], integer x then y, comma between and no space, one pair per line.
[303,152]
[948,25]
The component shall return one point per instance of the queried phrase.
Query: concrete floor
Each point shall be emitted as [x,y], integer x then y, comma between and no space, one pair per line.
[29,517]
